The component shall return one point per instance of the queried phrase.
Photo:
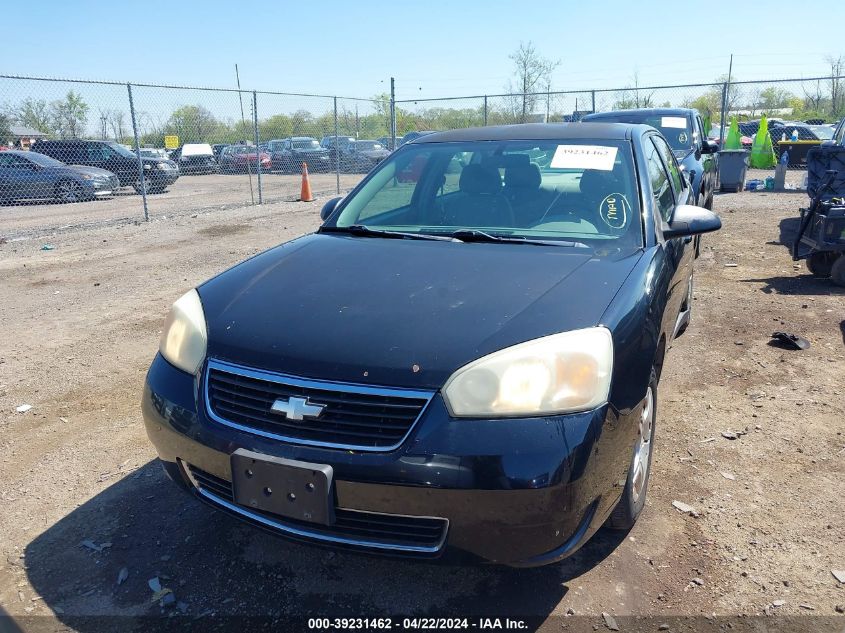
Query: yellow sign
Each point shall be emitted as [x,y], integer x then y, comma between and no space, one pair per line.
[171,142]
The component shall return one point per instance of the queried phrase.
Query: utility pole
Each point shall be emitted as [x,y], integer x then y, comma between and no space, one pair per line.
[725,90]
[392,114]
[243,127]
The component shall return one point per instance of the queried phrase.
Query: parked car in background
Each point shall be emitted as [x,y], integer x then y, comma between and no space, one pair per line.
[464,366]
[362,155]
[195,158]
[838,137]
[241,158]
[30,175]
[716,130]
[384,141]
[335,145]
[684,130]
[288,154]
[154,152]
[217,148]
[412,136]
[159,173]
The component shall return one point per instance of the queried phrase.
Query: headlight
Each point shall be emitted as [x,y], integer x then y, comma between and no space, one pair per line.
[162,166]
[184,339]
[147,166]
[87,177]
[561,373]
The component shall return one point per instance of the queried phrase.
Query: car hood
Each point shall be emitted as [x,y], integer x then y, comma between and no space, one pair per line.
[310,151]
[91,171]
[375,153]
[405,313]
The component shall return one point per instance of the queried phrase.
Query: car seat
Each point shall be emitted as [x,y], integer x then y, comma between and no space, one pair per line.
[480,201]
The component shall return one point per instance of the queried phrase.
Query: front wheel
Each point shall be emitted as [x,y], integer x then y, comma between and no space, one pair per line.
[631,504]
[69,191]
[820,264]
[837,271]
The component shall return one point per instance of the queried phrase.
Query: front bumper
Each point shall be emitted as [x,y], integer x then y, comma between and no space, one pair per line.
[518,492]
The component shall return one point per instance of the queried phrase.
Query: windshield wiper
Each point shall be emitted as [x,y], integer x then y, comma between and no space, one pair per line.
[366,231]
[474,235]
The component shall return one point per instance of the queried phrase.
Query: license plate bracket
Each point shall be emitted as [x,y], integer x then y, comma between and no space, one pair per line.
[285,487]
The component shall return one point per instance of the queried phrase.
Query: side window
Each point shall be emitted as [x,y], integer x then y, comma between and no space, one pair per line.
[840,133]
[671,164]
[702,135]
[659,179]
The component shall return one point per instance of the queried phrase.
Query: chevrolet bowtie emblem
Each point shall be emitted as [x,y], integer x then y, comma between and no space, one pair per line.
[297,408]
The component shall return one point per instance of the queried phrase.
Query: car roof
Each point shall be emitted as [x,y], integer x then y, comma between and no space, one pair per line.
[536,131]
[612,113]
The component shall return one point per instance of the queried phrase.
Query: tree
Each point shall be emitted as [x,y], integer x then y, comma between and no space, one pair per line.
[837,87]
[34,113]
[5,129]
[192,124]
[277,126]
[69,116]
[773,98]
[532,73]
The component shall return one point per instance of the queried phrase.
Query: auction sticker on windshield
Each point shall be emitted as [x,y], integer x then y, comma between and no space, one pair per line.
[584,157]
[677,122]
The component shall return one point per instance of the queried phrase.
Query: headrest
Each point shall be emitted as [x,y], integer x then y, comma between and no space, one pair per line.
[525,176]
[593,180]
[480,179]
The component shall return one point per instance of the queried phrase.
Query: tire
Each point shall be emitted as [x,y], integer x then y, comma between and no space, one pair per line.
[69,191]
[821,264]
[631,504]
[837,271]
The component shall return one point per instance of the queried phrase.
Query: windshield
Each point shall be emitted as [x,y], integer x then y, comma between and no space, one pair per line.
[567,190]
[822,132]
[675,127]
[306,144]
[363,146]
[121,150]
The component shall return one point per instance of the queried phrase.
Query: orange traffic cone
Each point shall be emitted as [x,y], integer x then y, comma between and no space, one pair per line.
[305,195]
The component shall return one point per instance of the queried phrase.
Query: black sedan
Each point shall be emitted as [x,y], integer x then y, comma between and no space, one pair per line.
[362,156]
[31,176]
[461,363]
[287,155]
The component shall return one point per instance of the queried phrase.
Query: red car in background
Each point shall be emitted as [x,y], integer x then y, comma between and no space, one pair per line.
[240,158]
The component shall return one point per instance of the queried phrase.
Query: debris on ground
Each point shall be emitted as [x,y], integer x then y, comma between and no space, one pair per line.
[94,547]
[809,607]
[23,408]
[609,621]
[685,508]
[729,435]
[778,603]
[789,341]
[728,475]
[154,584]
[839,574]
[122,575]
[48,247]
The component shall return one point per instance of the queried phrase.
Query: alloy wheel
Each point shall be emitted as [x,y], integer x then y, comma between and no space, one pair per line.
[642,458]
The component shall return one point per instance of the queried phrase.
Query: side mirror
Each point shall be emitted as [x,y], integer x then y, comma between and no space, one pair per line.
[329,208]
[689,220]
[709,147]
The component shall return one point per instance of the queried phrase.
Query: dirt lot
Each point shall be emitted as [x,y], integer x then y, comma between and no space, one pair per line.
[188,195]
[81,324]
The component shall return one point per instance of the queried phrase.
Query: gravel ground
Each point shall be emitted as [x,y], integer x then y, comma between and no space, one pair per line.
[81,324]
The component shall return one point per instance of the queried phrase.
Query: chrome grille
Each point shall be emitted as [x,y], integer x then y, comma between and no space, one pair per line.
[355,416]
[355,528]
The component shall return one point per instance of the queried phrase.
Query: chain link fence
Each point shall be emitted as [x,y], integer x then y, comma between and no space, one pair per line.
[85,152]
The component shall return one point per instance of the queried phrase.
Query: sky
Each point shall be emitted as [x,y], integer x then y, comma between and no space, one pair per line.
[434,48]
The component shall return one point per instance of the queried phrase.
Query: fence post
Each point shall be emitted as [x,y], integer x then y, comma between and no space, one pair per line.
[142,178]
[485,110]
[336,150]
[257,140]
[593,95]
[392,114]
[724,114]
